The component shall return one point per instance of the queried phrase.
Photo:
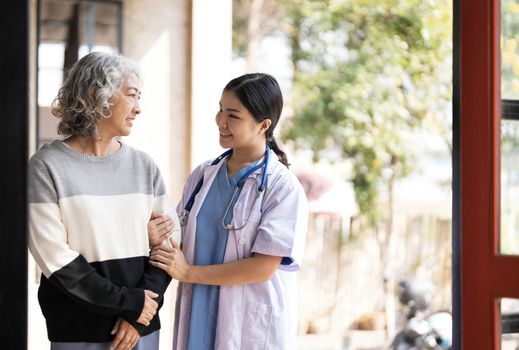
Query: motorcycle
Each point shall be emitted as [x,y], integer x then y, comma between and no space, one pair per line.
[421,330]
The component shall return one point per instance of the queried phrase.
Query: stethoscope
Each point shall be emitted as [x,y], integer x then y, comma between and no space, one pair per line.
[184,216]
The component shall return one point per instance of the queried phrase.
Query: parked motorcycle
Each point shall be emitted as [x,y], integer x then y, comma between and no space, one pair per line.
[421,330]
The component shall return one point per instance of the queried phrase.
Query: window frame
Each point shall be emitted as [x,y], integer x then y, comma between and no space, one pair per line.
[481,275]
[510,109]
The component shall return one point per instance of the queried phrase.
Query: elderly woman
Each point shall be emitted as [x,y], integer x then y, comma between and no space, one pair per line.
[91,200]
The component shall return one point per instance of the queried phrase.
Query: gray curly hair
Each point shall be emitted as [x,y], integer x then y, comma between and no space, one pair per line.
[83,98]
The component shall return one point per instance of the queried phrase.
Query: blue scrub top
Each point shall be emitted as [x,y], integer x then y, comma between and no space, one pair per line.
[210,243]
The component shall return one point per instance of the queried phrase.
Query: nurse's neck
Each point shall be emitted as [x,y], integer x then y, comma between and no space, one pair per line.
[242,157]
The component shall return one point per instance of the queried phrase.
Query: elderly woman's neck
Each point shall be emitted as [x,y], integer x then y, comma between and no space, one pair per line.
[92,146]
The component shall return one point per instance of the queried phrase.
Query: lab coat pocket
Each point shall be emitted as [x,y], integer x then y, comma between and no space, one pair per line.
[256,326]
[210,325]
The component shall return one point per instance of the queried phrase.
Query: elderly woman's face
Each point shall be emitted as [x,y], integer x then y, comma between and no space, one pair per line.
[124,109]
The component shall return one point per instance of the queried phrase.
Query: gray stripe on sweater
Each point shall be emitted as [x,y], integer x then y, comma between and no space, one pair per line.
[57,172]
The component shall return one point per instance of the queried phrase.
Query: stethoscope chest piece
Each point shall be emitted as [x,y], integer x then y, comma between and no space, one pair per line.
[183,217]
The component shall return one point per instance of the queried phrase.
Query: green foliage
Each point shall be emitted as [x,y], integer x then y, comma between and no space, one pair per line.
[510,50]
[239,27]
[267,12]
[367,73]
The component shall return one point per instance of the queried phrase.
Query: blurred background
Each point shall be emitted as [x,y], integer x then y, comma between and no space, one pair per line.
[366,125]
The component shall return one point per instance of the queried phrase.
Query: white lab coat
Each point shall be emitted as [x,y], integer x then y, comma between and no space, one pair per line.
[255,315]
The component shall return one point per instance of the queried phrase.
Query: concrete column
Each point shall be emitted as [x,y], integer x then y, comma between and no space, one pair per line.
[156,33]
[211,70]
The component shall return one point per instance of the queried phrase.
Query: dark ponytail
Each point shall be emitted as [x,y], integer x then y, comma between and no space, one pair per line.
[271,142]
[261,95]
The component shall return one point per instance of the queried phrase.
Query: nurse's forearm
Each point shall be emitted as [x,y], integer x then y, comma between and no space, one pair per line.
[258,268]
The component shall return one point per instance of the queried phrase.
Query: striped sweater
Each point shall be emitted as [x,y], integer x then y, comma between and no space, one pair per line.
[88,233]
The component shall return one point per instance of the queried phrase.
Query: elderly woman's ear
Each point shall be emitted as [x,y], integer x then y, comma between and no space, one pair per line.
[92,93]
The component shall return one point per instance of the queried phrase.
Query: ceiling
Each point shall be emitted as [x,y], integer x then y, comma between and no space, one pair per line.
[56,18]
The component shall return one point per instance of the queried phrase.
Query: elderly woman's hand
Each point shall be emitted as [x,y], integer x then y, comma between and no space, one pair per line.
[160,228]
[170,259]
[126,336]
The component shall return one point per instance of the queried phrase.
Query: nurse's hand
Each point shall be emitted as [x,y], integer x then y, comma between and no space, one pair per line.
[171,260]
[160,228]
[149,309]
[126,336]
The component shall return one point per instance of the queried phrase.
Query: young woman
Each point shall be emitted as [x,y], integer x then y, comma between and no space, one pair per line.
[91,198]
[244,219]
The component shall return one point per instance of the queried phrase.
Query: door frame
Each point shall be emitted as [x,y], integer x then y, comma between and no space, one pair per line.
[14,99]
[483,275]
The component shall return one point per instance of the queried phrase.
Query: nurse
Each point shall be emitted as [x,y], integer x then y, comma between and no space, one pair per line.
[244,227]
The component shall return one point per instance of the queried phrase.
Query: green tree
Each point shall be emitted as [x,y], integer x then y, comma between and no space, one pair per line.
[253,20]
[367,75]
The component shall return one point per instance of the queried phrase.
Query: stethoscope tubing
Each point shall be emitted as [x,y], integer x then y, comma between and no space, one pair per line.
[189,205]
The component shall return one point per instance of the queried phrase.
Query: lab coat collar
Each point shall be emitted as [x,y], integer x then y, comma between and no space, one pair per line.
[273,160]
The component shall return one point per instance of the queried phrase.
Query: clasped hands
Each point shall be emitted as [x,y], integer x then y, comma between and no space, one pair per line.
[126,336]
[160,228]
[166,254]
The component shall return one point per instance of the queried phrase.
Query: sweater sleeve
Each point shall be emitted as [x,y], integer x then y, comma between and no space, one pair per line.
[155,279]
[65,267]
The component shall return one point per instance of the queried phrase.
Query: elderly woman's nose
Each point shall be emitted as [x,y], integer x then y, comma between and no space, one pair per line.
[137,108]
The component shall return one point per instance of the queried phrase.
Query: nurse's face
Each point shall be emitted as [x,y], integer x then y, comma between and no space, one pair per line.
[238,128]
